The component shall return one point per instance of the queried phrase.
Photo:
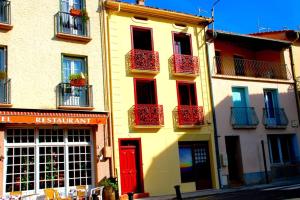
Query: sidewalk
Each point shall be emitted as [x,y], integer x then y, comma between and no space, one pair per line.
[203,193]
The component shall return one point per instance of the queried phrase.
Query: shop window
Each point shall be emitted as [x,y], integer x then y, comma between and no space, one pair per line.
[45,156]
[195,163]
[282,149]
[182,44]
[142,38]
[187,93]
[145,91]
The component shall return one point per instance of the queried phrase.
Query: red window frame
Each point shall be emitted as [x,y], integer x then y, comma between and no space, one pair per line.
[143,29]
[135,80]
[186,83]
[180,33]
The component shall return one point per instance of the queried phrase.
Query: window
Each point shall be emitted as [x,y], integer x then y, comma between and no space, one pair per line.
[72,24]
[283,148]
[182,43]
[53,158]
[142,38]
[145,91]
[74,94]
[186,93]
[195,163]
[218,62]
[239,65]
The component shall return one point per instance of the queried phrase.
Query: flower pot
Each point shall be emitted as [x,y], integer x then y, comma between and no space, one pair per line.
[75,12]
[78,82]
[109,193]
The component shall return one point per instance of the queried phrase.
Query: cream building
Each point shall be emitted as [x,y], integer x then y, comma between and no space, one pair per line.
[52,97]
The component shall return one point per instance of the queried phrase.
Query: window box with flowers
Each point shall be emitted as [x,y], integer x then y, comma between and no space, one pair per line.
[78,80]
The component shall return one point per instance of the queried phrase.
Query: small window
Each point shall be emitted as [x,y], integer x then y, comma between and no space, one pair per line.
[142,38]
[187,93]
[145,91]
[182,44]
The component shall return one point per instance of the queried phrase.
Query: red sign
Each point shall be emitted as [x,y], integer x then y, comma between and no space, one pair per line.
[51,118]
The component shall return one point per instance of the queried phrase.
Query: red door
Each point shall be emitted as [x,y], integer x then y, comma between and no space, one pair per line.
[128,169]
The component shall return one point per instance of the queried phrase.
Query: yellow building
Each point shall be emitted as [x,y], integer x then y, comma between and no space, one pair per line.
[160,100]
[52,99]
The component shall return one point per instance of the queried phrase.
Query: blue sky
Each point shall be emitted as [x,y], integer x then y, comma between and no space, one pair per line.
[241,16]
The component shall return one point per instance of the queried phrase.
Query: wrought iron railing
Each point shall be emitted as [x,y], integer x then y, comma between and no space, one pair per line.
[251,68]
[68,95]
[4,12]
[185,64]
[5,91]
[144,60]
[275,118]
[73,25]
[147,115]
[186,115]
[243,117]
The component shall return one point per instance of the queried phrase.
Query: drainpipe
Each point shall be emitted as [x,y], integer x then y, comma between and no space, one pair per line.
[213,113]
[294,77]
[107,83]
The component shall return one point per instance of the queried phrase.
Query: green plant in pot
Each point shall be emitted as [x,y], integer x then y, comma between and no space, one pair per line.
[110,188]
[84,15]
[78,80]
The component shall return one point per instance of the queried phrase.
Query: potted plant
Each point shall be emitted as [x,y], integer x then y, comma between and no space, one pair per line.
[84,15]
[110,188]
[77,80]
[75,12]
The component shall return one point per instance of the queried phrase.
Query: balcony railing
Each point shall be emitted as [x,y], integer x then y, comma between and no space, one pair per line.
[143,61]
[275,118]
[71,96]
[5,91]
[243,117]
[251,68]
[147,115]
[189,116]
[185,65]
[72,25]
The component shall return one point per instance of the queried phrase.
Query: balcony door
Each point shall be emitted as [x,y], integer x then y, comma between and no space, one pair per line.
[239,65]
[74,96]
[182,44]
[271,106]
[145,91]
[186,94]
[239,101]
[71,24]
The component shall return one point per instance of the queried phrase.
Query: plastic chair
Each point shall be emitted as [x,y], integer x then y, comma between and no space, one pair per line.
[15,195]
[96,191]
[81,192]
[52,194]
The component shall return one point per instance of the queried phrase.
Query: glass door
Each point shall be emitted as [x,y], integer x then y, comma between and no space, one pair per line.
[271,106]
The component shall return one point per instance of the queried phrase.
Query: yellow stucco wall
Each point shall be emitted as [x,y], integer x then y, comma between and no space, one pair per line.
[159,146]
[34,54]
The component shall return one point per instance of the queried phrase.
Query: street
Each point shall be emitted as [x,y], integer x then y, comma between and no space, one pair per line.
[272,193]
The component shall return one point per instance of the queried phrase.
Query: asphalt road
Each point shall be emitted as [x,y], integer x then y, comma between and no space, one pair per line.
[273,193]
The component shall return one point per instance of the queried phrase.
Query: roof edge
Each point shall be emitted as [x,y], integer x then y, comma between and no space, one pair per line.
[155,12]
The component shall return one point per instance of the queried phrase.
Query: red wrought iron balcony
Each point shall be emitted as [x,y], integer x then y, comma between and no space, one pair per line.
[189,116]
[147,115]
[185,65]
[144,61]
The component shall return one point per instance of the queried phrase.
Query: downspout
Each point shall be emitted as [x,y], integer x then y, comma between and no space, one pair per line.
[294,77]
[213,112]
[107,83]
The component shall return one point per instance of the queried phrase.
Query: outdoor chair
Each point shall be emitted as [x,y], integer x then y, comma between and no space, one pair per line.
[96,192]
[52,194]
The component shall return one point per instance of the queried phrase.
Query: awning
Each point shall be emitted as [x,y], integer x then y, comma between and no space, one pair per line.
[48,117]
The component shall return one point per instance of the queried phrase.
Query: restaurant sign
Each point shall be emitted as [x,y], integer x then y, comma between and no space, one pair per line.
[51,118]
